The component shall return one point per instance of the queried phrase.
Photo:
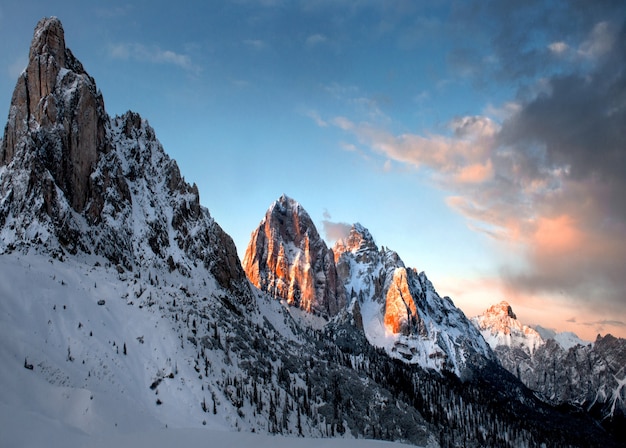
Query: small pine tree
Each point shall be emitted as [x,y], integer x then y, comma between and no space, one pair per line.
[125,348]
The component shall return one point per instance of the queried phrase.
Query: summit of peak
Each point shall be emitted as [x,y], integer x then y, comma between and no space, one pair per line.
[503,309]
[359,238]
[361,230]
[284,203]
[49,39]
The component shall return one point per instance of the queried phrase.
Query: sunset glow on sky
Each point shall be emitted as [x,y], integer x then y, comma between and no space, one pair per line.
[484,141]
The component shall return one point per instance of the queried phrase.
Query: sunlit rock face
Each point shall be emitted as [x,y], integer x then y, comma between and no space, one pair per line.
[400,310]
[287,258]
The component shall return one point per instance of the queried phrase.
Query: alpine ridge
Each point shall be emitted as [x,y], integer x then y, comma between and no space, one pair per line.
[586,375]
[125,310]
[74,180]
[397,307]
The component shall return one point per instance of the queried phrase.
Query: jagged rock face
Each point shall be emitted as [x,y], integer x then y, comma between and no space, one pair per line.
[72,179]
[57,111]
[592,375]
[400,310]
[589,375]
[287,258]
[500,327]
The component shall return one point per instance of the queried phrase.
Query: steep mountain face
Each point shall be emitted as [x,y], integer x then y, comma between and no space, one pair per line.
[287,258]
[396,307]
[74,180]
[590,376]
[400,309]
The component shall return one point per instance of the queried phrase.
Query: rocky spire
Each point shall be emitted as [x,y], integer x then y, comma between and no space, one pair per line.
[287,258]
[57,111]
[78,181]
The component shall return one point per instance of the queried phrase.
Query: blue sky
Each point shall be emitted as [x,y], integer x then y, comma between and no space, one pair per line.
[483,141]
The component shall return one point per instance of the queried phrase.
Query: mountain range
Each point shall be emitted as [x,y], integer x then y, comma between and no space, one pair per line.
[124,307]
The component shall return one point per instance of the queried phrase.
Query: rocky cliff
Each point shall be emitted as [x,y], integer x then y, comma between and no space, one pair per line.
[74,180]
[287,258]
[401,309]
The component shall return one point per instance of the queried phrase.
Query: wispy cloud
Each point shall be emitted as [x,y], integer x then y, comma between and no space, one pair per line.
[256,44]
[152,54]
[599,42]
[315,116]
[114,11]
[315,39]
[558,48]
[334,230]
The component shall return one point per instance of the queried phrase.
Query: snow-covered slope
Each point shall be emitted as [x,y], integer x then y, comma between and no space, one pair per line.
[124,305]
[565,339]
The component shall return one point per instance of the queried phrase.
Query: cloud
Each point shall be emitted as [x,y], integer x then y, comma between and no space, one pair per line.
[114,11]
[152,54]
[522,38]
[315,39]
[558,48]
[335,230]
[599,42]
[546,178]
[315,116]
[256,44]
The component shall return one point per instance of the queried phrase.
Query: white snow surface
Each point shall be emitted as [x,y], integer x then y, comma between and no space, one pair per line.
[565,339]
[83,391]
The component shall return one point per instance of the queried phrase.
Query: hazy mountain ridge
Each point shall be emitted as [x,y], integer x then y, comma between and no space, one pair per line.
[124,305]
[562,368]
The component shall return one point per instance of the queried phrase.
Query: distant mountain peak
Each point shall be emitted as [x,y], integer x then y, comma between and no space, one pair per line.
[502,309]
[287,258]
[500,327]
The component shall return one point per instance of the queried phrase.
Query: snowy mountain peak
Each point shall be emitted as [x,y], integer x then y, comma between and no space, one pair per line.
[502,309]
[76,181]
[500,327]
[397,308]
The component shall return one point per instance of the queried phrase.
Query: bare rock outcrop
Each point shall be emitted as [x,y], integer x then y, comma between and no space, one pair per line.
[287,258]
[57,110]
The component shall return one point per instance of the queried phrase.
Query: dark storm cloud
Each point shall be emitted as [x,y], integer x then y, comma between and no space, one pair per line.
[581,121]
[516,33]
